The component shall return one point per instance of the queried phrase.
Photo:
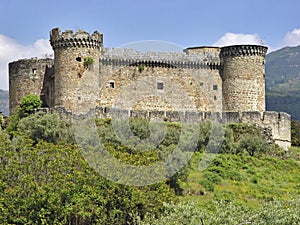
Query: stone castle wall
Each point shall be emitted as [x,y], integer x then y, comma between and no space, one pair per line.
[200,79]
[187,78]
[27,76]
[243,78]
[74,81]
[276,124]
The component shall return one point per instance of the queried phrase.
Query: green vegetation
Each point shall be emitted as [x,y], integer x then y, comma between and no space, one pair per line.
[44,178]
[88,61]
[225,212]
[28,104]
[46,181]
[141,67]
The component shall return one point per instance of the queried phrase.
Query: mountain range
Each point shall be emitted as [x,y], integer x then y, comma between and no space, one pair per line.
[282,83]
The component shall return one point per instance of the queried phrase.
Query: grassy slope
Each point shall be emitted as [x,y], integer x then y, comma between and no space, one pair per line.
[244,179]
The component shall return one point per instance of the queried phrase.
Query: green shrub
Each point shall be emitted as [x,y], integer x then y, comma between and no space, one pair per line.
[28,104]
[88,61]
[228,213]
[214,178]
[50,183]
[253,145]
[47,127]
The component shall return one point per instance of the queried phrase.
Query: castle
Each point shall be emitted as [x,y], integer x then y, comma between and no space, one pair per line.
[194,84]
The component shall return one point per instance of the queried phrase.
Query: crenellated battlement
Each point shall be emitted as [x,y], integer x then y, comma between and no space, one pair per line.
[129,57]
[80,38]
[243,50]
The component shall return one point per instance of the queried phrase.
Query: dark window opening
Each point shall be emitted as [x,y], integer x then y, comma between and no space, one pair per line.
[78,59]
[160,86]
[215,97]
[215,87]
[111,84]
[34,71]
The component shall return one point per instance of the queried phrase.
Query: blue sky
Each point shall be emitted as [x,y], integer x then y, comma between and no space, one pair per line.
[25,25]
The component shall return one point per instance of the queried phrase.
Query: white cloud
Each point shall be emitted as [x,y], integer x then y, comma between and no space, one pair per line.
[238,39]
[10,51]
[292,38]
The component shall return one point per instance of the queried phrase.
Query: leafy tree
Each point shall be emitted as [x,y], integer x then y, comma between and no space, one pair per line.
[28,104]
[253,145]
[48,127]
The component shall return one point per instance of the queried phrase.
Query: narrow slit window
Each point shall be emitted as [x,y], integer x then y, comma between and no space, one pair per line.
[160,86]
[111,84]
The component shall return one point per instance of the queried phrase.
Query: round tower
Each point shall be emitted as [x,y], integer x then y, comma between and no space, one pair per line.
[76,67]
[27,76]
[243,77]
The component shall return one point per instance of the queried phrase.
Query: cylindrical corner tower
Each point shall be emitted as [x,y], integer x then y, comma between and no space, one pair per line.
[243,77]
[76,67]
[27,76]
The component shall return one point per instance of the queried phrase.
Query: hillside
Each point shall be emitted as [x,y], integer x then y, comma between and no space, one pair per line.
[4,102]
[51,175]
[283,81]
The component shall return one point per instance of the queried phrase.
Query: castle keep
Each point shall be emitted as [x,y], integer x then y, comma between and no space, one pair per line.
[196,83]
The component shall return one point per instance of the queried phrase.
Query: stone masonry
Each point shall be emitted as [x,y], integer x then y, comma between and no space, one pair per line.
[84,75]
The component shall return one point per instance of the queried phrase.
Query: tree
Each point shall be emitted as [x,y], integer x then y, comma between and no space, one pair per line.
[28,104]
[48,127]
[253,145]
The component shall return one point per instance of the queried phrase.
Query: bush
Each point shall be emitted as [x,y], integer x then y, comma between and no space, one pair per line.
[28,104]
[47,127]
[253,145]
[88,61]
[228,213]
[50,183]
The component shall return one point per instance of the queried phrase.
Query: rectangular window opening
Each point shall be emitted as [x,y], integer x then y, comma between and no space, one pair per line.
[215,87]
[160,86]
